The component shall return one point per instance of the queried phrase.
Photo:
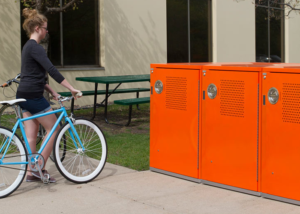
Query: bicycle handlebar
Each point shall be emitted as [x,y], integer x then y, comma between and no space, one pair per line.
[60,98]
[4,85]
[63,99]
[8,82]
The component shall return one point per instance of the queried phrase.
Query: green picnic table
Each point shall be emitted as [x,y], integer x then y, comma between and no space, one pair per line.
[107,80]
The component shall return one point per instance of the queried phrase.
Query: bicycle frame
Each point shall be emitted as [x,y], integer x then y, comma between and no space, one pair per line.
[19,123]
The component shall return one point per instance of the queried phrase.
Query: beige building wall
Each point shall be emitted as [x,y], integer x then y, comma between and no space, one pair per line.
[292,40]
[135,37]
[132,36]
[233,31]
[10,44]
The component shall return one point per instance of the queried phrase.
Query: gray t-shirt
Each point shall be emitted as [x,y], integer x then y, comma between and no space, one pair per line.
[34,65]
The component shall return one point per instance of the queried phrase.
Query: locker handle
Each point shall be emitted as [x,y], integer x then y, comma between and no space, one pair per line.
[264,100]
[203,95]
[151,89]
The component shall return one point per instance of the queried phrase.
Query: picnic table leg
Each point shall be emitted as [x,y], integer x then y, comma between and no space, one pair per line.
[129,118]
[137,96]
[106,100]
[95,100]
[72,106]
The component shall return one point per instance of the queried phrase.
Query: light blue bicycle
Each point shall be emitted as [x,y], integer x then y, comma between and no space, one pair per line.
[79,150]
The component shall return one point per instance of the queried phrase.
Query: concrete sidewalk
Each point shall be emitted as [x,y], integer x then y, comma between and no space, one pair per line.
[122,190]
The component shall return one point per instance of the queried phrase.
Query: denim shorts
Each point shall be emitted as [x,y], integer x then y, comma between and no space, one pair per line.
[35,105]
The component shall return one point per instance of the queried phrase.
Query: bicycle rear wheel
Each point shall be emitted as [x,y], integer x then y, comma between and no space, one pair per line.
[81,165]
[8,117]
[11,176]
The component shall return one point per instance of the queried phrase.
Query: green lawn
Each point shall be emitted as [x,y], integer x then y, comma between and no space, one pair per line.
[129,150]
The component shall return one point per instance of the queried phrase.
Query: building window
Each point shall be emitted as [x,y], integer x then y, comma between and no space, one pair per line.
[73,36]
[189,30]
[269,32]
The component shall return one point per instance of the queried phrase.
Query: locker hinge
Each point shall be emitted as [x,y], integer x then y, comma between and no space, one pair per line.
[265,75]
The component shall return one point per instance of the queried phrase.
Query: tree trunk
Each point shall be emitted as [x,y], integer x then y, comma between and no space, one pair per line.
[45,43]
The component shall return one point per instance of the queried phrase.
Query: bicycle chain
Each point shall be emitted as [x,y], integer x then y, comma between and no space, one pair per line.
[19,156]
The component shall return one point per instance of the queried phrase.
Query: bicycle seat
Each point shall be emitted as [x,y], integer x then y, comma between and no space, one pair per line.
[12,102]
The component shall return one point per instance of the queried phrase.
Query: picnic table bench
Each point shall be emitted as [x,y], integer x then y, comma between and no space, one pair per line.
[108,92]
[130,102]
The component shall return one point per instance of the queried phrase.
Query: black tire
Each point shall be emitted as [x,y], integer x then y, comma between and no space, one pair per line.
[16,173]
[41,134]
[90,160]
[64,146]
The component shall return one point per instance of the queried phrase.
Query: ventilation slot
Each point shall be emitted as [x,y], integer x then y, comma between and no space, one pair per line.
[176,93]
[232,98]
[291,103]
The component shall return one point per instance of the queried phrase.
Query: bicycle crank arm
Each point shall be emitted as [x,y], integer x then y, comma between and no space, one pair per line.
[46,178]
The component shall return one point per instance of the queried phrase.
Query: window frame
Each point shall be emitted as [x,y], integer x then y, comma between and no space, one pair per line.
[210,33]
[63,67]
[268,7]
[80,67]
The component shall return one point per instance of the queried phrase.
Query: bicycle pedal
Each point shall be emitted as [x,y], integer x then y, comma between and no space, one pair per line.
[46,178]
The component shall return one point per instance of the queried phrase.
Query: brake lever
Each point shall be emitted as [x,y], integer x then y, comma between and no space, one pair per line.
[18,76]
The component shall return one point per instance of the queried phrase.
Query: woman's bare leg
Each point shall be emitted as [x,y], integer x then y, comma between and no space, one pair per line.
[48,123]
[31,130]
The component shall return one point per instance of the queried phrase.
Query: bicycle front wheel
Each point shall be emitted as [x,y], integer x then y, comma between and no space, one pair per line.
[81,164]
[12,165]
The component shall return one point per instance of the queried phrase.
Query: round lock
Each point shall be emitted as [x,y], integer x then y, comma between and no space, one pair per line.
[212,91]
[158,86]
[273,95]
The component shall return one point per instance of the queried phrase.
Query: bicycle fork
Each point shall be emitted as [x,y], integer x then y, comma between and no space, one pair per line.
[73,130]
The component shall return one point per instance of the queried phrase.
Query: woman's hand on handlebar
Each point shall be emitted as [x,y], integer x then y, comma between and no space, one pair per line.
[55,95]
[76,93]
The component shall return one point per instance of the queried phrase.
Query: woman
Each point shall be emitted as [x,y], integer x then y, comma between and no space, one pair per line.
[34,65]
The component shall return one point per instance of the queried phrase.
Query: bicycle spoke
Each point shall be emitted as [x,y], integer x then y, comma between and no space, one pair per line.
[81,165]
[69,161]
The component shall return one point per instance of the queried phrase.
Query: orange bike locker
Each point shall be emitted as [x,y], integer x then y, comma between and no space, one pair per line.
[280,134]
[231,127]
[174,119]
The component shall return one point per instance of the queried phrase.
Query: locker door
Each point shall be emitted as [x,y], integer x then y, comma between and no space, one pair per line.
[281,141]
[174,121]
[230,129]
